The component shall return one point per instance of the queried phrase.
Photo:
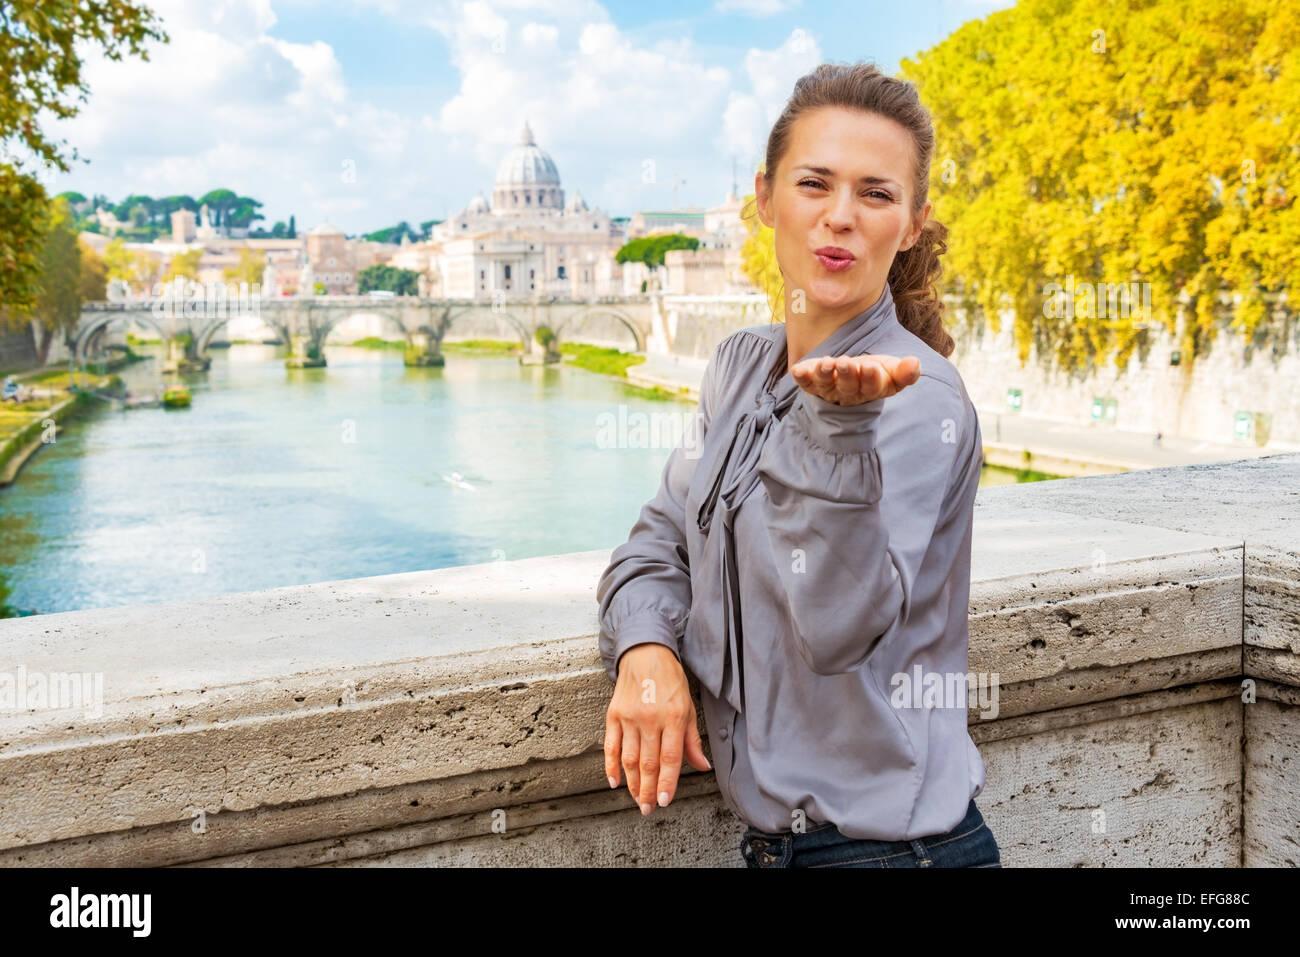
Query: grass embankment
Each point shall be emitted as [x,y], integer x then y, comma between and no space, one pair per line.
[613,362]
[23,424]
[597,359]
[1007,476]
[374,342]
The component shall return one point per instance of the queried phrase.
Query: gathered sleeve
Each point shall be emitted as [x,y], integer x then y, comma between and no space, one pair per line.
[644,594]
[849,575]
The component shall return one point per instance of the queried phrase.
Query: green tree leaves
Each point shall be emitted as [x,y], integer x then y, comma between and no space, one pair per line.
[41,42]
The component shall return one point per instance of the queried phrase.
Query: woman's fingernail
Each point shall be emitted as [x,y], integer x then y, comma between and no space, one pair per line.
[613,782]
[663,798]
[708,764]
[646,809]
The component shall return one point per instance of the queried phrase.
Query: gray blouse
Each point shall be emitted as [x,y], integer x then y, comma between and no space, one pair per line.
[809,564]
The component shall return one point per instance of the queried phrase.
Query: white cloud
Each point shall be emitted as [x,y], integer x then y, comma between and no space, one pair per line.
[227,104]
[772,73]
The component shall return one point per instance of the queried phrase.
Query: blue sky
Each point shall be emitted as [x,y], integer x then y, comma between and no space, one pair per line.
[370,112]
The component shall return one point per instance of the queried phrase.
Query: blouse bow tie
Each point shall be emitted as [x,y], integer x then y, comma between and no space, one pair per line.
[713,645]
[734,477]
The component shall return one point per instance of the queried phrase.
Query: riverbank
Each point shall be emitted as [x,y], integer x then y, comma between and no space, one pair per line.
[26,426]
[598,359]
[24,430]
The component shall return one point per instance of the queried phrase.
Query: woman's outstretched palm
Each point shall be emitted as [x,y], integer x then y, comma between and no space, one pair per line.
[853,380]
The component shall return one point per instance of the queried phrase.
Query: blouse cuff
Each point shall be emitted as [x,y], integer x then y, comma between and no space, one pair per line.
[842,429]
[637,629]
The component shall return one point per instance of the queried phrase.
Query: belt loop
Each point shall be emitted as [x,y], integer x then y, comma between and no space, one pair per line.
[922,855]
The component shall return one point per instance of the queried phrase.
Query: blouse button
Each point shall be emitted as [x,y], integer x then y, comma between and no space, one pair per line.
[723,733]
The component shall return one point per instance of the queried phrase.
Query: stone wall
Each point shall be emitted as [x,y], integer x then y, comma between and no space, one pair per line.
[17,349]
[1198,399]
[456,716]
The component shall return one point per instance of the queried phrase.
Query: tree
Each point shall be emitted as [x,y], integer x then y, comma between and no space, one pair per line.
[758,261]
[402,282]
[58,305]
[249,269]
[147,270]
[94,275]
[184,265]
[135,267]
[41,45]
[1156,145]
[650,249]
[279,230]
[293,231]
[119,261]
[24,214]
[219,203]
[75,200]
[244,212]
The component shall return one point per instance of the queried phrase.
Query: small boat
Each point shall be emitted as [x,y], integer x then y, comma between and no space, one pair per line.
[132,401]
[176,397]
[457,480]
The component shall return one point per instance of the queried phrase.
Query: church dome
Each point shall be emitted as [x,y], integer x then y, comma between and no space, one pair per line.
[527,164]
[478,204]
[527,181]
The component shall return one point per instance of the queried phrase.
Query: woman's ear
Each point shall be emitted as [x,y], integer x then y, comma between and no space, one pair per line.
[917,230]
[762,198]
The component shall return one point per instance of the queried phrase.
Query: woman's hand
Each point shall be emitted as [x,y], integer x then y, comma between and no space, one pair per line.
[650,716]
[852,380]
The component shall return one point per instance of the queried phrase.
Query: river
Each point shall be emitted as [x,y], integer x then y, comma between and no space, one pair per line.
[281,477]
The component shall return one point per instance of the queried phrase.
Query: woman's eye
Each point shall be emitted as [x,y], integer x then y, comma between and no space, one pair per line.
[875,193]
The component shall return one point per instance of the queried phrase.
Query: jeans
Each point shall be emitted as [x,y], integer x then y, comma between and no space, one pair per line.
[969,844]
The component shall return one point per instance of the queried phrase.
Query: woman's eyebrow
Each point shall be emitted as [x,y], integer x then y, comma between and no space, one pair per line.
[864,180]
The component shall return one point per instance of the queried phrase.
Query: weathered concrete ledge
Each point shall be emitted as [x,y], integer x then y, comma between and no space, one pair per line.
[456,716]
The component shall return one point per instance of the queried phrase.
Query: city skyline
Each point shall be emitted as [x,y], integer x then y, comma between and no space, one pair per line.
[370,113]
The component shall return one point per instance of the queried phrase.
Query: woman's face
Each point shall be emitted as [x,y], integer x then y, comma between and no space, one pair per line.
[845,181]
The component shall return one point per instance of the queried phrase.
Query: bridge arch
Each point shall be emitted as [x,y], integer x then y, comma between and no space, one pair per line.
[573,323]
[88,331]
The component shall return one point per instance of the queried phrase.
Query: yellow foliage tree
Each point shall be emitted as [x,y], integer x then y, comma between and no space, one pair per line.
[119,261]
[184,265]
[135,267]
[249,269]
[94,275]
[758,259]
[1117,142]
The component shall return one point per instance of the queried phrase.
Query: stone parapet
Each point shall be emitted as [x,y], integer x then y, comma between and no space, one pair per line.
[1144,628]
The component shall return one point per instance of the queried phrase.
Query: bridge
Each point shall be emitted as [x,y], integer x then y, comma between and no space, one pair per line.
[188,327]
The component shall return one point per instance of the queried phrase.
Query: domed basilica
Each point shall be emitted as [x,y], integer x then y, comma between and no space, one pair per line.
[528,240]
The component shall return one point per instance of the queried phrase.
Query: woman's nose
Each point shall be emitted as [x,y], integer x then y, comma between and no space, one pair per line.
[840,213]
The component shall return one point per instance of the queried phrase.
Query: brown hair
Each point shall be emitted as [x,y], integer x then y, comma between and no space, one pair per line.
[915,271]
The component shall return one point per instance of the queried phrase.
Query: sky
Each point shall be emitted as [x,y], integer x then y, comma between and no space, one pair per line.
[367,113]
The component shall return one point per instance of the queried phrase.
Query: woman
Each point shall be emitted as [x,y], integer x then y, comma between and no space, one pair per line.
[813,552]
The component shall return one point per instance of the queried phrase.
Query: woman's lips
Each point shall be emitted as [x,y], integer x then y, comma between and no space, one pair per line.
[834,264]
